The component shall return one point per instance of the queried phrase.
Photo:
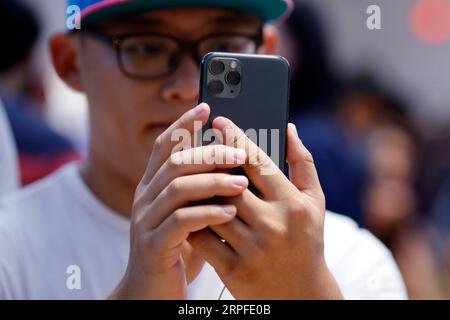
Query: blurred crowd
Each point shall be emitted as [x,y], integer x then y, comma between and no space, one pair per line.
[377,163]
[41,150]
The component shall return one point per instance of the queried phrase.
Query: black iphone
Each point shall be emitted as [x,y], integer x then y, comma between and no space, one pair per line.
[252,91]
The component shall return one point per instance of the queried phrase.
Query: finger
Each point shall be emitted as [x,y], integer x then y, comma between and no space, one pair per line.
[236,233]
[184,190]
[177,227]
[164,145]
[193,262]
[261,170]
[303,173]
[249,207]
[194,161]
[218,254]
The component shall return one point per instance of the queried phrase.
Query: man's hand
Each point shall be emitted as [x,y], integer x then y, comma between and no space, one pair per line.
[275,249]
[161,262]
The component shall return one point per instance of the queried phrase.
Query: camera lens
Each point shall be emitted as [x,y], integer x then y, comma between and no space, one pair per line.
[216,67]
[233,78]
[215,87]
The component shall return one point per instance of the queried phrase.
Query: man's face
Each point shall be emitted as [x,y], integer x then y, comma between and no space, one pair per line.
[127,114]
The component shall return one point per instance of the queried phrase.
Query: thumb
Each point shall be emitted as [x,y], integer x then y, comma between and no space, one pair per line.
[303,173]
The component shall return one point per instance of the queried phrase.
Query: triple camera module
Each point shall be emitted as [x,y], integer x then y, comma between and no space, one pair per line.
[224,78]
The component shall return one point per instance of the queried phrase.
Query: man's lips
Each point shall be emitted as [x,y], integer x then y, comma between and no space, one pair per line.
[159,126]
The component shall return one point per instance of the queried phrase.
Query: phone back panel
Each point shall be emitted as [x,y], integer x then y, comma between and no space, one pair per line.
[263,101]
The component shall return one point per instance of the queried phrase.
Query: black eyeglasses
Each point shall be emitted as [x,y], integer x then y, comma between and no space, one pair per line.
[150,56]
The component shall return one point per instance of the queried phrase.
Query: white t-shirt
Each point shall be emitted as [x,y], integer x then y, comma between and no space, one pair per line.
[8,161]
[58,241]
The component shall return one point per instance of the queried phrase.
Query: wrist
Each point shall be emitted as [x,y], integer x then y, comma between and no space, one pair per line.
[320,284]
[137,288]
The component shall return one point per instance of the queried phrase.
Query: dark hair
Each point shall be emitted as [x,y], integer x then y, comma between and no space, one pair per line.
[19,30]
[314,84]
[365,82]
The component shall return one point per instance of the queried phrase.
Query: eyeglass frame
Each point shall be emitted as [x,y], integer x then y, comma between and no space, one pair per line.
[192,47]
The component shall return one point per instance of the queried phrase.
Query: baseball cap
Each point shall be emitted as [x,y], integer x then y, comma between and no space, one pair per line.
[98,10]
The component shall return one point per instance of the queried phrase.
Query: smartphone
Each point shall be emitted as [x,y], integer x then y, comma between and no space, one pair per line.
[252,91]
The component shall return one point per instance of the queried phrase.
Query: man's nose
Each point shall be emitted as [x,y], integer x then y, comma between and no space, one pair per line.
[183,84]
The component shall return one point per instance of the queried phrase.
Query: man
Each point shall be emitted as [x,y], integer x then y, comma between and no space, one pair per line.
[137,62]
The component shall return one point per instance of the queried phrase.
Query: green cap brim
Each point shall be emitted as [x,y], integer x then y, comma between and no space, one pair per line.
[267,10]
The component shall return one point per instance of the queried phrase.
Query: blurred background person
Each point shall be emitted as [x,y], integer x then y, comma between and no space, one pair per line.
[315,87]
[392,206]
[436,188]
[369,151]
[40,149]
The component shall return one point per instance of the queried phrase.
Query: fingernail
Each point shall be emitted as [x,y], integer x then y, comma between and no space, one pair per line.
[224,124]
[199,110]
[230,210]
[240,155]
[239,181]
[294,127]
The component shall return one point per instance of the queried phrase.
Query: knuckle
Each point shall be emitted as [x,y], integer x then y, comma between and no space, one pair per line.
[257,254]
[149,242]
[177,218]
[140,190]
[300,212]
[218,153]
[275,238]
[176,159]
[206,155]
[307,156]
[296,205]
[259,160]
[175,187]
[236,139]
[157,145]
[219,180]
[275,233]
[140,206]
[229,268]
[213,151]
[183,121]
[137,232]
[139,198]
[213,211]
[134,226]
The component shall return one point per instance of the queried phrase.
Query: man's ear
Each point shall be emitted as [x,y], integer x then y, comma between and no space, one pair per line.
[271,39]
[64,50]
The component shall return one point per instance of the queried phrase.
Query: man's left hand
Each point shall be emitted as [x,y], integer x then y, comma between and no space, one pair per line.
[274,248]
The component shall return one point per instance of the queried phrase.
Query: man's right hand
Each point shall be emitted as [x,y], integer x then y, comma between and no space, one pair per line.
[165,213]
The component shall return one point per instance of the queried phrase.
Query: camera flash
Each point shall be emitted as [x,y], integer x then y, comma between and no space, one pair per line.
[233,64]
